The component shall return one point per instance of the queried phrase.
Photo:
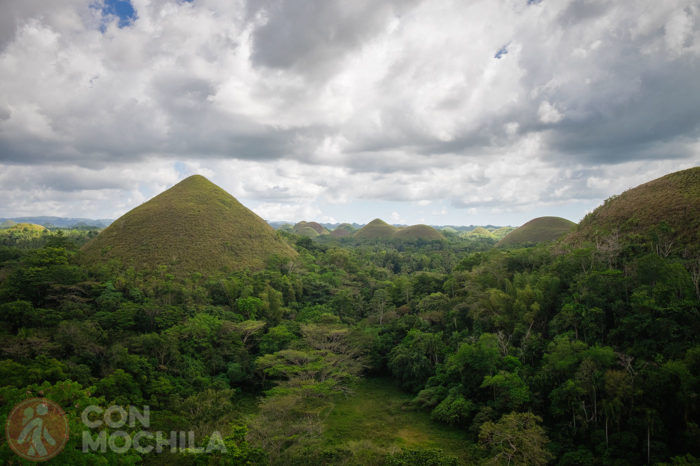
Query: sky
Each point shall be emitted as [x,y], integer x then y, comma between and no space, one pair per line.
[414,111]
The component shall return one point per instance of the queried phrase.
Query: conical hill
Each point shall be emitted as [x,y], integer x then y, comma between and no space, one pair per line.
[195,226]
[538,230]
[374,230]
[416,232]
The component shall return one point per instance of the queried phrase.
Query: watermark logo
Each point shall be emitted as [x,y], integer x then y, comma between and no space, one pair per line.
[119,429]
[37,429]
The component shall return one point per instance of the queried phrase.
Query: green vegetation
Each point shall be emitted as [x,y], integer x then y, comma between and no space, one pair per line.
[538,230]
[26,227]
[479,232]
[366,352]
[500,233]
[193,226]
[379,407]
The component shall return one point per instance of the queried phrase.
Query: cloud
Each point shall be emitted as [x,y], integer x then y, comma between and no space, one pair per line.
[301,107]
[310,36]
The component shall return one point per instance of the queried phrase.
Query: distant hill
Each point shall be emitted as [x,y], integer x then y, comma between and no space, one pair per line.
[376,229]
[449,230]
[343,230]
[416,232]
[310,229]
[538,230]
[500,233]
[27,227]
[58,222]
[667,207]
[195,226]
[277,225]
[478,232]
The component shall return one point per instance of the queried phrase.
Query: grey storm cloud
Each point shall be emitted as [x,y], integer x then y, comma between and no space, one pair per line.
[308,35]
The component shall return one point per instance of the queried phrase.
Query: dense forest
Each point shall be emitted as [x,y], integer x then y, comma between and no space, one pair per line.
[552,354]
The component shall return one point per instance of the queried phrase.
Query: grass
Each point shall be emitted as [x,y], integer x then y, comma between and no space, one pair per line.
[673,200]
[310,229]
[376,229]
[195,226]
[538,230]
[343,230]
[377,417]
[415,232]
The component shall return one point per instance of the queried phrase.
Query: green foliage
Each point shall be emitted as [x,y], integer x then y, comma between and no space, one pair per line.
[414,360]
[517,438]
[599,345]
[454,409]
[421,457]
[238,451]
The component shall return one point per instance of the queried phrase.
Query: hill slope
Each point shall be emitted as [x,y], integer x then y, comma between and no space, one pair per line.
[27,227]
[670,203]
[538,230]
[416,232]
[376,229]
[195,226]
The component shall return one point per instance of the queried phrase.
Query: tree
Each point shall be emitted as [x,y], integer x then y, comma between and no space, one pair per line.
[517,438]
[415,359]
[250,306]
[509,390]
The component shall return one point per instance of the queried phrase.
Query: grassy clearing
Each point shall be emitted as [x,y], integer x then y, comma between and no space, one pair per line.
[377,418]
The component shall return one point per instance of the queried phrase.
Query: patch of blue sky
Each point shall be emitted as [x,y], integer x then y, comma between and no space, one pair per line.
[502,51]
[123,10]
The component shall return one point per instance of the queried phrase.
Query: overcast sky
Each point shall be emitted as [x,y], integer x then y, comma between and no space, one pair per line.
[433,111]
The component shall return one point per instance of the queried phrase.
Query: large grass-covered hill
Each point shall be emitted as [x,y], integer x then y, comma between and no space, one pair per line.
[195,226]
[418,232]
[665,210]
[377,229]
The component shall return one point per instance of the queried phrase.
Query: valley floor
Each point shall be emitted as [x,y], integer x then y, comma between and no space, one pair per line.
[377,419]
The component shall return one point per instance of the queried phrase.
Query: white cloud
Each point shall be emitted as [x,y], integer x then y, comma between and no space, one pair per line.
[306,109]
[548,113]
